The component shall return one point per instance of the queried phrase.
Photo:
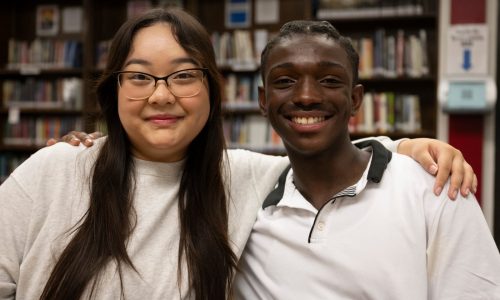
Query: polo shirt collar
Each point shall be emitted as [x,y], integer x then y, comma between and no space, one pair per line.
[379,161]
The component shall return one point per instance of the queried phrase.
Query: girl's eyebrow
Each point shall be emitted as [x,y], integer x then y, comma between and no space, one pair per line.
[176,61]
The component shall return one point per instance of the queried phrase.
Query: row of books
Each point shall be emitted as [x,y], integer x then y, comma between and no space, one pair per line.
[138,7]
[44,54]
[393,55]
[35,131]
[387,112]
[240,49]
[250,131]
[380,113]
[242,88]
[134,9]
[37,93]
[8,162]
[102,50]
[386,54]
[340,9]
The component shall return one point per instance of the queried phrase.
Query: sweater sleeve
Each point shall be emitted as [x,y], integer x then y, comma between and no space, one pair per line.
[251,177]
[14,221]
[26,198]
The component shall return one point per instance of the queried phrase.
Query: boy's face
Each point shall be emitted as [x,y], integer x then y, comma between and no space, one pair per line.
[308,94]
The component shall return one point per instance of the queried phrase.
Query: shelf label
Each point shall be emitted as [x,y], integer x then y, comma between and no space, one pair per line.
[14,114]
[29,69]
[467,96]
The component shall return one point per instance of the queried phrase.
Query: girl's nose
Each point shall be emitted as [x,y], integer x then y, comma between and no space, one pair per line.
[161,94]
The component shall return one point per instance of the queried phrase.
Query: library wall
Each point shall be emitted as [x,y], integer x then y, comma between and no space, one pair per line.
[397,47]
[54,52]
[471,132]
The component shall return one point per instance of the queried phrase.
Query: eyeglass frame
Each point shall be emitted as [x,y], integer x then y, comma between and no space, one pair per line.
[165,78]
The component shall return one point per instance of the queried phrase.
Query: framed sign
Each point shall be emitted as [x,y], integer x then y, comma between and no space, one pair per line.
[238,13]
[47,20]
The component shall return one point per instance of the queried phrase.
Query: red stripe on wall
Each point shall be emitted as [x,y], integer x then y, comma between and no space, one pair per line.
[466,132]
[468,11]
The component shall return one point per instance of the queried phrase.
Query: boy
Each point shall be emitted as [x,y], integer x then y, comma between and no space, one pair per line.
[345,223]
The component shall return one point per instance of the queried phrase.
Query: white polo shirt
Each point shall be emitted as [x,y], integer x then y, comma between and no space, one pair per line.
[384,238]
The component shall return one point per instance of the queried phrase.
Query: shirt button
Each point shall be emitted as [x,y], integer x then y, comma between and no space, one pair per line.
[321,226]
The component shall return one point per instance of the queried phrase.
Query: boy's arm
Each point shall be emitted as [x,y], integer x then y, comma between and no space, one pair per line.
[438,158]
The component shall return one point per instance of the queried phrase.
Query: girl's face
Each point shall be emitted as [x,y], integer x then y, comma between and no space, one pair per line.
[162,126]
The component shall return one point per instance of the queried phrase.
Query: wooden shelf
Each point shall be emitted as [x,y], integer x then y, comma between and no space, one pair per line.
[16,73]
[20,148]
[45,111]
[426,20]
[103,18]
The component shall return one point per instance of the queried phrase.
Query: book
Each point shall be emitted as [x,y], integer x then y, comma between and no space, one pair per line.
[137,7]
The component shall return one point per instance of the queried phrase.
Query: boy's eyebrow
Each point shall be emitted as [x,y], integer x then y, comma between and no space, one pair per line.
[332,64]
[286,65]
[289,65]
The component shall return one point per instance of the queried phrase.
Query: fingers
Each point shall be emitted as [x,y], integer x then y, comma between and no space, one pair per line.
[427,162]
[441,177]
[441,169]
[76,137]
[470,181]
[474,184]
[457,176]
[95,135]
[86,139]
[51,142]
[450,163]
[445,163]
[71,138]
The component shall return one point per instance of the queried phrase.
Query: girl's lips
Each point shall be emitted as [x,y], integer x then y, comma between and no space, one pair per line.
[163,120]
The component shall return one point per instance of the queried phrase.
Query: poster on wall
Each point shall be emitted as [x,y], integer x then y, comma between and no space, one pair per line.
[267,11]
[467,49]
[47,20]
[238,13]
[72,19]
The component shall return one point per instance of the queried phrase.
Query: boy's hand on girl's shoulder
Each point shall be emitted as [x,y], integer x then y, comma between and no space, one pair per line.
[76,137]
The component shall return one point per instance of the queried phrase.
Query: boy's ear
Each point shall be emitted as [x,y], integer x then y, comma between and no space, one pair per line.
[262,101]
[357,98]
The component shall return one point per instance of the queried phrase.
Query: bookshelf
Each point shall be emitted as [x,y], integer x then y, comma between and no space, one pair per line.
[405,98]
[413,24]
[28,120]
[41,76]
[244,126]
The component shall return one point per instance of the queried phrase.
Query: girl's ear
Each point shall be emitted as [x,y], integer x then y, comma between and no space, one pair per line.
[262,101]
[357,98]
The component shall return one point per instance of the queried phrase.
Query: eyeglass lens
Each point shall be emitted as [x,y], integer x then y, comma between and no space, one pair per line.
[184,83]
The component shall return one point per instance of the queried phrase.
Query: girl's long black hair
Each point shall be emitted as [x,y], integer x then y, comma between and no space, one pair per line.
[102,234]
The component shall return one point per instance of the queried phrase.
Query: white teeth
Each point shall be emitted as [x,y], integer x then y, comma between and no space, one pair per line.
[307,120]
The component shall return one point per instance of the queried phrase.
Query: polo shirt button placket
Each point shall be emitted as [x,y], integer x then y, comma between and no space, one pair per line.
[321,226]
